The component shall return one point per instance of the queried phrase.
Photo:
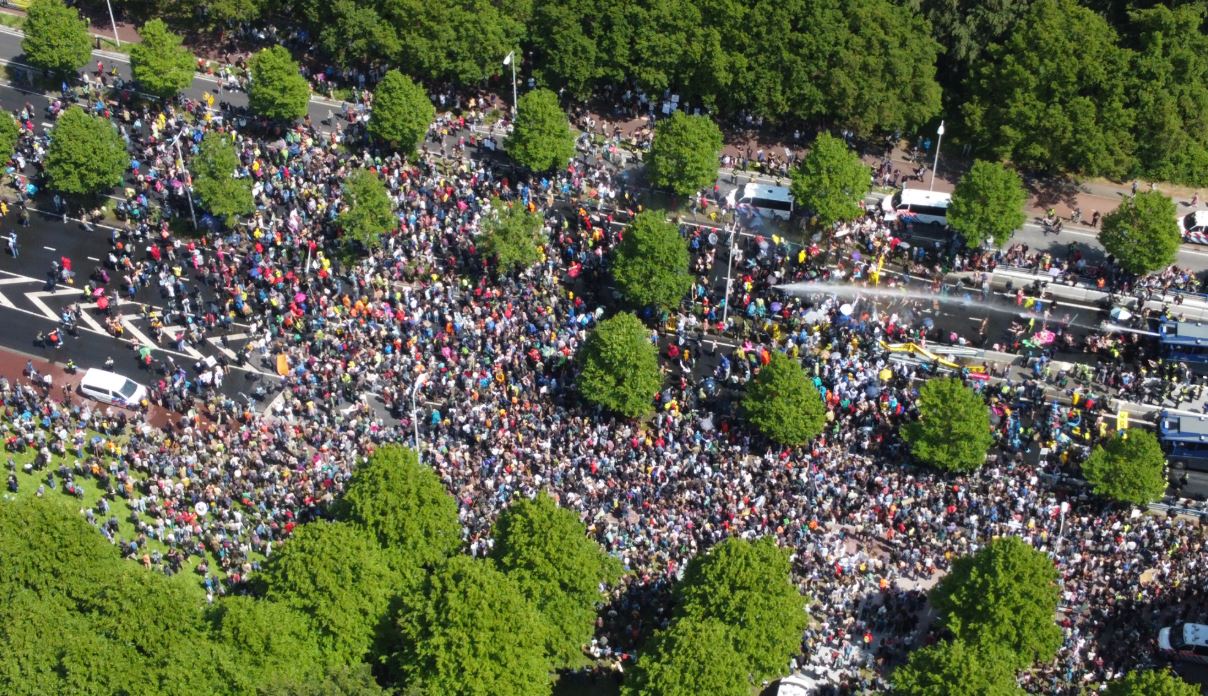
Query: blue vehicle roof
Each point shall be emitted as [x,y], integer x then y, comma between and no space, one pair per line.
[1183,333]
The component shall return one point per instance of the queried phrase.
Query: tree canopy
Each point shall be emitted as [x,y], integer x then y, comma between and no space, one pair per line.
[56,38]
[1151,682]
[746,586]
[160,63]
[650,265]
[987,204]
[461,41]
[1004,596]
[544,549]
[86,154]
[1053,96]
[783,404]
[1128,469]
[541,138]
[366,211]
[10,133]
[278,91]
[689,658]
[1142,233]
[953,430]
[404,505]
[214,182]
[401,113]
[276,642]
[513,236]
[830,182]
[684,155]
[619,368]
[468,630]
[952,668]
[336,574]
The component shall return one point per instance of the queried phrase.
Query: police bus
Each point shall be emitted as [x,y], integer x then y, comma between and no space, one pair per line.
[1184,340]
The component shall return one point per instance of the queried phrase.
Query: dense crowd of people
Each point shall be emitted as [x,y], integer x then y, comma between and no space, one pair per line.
[499,417]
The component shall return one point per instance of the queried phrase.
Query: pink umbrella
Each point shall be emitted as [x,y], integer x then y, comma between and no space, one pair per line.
[1045,337]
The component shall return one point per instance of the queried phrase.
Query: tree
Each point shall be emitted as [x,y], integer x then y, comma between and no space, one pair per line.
[56,39]
[651,263]
[545,550]
[783,404]
[161,65]
[404,505]
[1128,469]
[541,139]
[10,133]
[337,575]
[460,41]
[684,154]
[619,367]
[278,91]
[1170,87]
[1142,233]
[830,182]
[689,658]
[954,669]
[214,181]
[1052,97]
[512,236]
[1151,682]
[343,680]
[1004,595]
[401,113]
[987,204]
[953,430]
[468,630]
[355,34]
[86,154]
[274,642]
[366,211]
[746,585]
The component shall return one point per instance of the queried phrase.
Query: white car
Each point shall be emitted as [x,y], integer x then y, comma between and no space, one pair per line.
[1194,226]
[1185,641]
[112,388]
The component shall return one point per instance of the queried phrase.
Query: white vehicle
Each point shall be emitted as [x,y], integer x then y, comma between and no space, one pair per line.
[763,199]
[1194,226]
[112,388]
[1185,641]
[917,206]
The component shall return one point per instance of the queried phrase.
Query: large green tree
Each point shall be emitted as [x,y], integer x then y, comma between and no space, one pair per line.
[512,236]
[953,430]
[214,180]
[366,211]
[1169,84]
[278,91]
[619,367]
[401,113]
[1151,682]
[1142,233]
[747,586]
[10,133]
[830,182]
[1004,596]
[987,204]
[355,34]
[690,658]
[783,404]
[460,41]
[650,265]
[545,550]
[1053,96]
[404,505]
[275,643]
[952,668]
[86,154]
[56,39]
[468,630]
[1128,469]
[160,63]
[684,155]
[541,138]
[335,573]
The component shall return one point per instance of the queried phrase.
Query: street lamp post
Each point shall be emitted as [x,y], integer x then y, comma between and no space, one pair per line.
[510,59]
[188,179]
[420,381]
[939,140]
[725,308]
[113,22]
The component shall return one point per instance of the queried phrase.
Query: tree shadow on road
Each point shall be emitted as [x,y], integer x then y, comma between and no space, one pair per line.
[1051,191]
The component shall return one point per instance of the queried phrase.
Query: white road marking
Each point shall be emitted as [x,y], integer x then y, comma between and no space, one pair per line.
[49,248]
[36,299]
[16,280]
[92,258]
